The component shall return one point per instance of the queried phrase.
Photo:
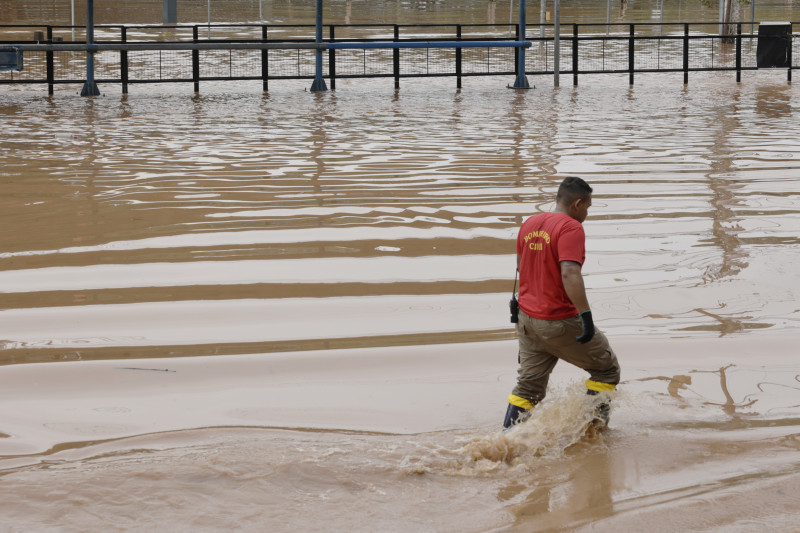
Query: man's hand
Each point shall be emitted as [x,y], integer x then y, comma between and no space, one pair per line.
[588,327]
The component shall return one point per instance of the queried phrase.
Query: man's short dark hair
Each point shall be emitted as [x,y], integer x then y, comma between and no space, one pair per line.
[571,189]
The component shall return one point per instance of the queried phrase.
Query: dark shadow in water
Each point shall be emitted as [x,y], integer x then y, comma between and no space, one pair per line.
[726,325]
[678,383]
[725,228]
[730,406]
[774,102]
[675,385]
[534,157]
[11,354]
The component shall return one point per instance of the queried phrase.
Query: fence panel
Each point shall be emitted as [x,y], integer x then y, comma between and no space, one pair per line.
[603,55]
[159,65]
[69,65]
[363,63]
[600,49]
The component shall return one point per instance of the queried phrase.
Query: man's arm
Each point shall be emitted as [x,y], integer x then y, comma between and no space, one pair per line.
[573,283]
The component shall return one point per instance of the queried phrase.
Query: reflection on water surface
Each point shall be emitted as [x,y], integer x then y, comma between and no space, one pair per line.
[127,217]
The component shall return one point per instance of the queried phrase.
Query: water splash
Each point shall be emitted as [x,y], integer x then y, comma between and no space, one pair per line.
[563,420]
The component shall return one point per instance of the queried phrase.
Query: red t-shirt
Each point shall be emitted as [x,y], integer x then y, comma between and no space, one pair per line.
[544,241]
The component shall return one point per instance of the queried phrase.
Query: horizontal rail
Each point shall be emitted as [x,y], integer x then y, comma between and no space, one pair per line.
[427,44]
[99,47]
[386,25]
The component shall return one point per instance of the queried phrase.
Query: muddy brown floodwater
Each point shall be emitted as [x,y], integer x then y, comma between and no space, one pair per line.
[288,311]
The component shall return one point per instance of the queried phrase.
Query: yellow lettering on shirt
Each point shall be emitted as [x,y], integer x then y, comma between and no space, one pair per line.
[537,246]
[540,234]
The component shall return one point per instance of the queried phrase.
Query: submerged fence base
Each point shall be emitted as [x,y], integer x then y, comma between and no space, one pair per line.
[277,53]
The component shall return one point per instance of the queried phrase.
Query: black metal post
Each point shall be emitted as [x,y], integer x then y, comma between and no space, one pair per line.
[196,60]
[49,56]
[789,59]
[631,47]
[458,58]
[685,54]
[396,58]
[123,62]
[516,52]
[90,87]
[332,62]
[264,61]
[575,54]
[739,52]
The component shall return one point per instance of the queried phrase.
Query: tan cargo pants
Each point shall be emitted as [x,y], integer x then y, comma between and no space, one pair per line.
[543,342]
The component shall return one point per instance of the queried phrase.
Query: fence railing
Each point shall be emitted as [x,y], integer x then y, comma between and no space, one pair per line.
[193,54]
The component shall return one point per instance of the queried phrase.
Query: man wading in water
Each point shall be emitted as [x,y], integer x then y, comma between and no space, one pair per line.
[554,317]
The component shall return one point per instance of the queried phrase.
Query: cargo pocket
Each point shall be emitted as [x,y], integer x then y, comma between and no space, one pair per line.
[552,330]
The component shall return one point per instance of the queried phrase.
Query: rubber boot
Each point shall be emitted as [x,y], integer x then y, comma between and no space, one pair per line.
[514,415]
[602,411]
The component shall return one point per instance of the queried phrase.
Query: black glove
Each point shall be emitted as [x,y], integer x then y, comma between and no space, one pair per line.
[588,328]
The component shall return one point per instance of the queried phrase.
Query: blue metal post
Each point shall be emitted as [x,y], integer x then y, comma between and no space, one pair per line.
[90,87]
[319,82]
[522,81]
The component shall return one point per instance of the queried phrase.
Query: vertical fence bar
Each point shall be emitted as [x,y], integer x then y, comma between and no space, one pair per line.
[396,58]
[789,58]
[332,61]
[739,52]
[686,54]
[123,62]
[458,58]
[557,44]
[196,60]
[516,52]
[631,47]
[49,56]
[264,61]
[575,54]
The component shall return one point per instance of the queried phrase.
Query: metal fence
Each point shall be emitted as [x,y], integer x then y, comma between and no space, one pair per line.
[585,49]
